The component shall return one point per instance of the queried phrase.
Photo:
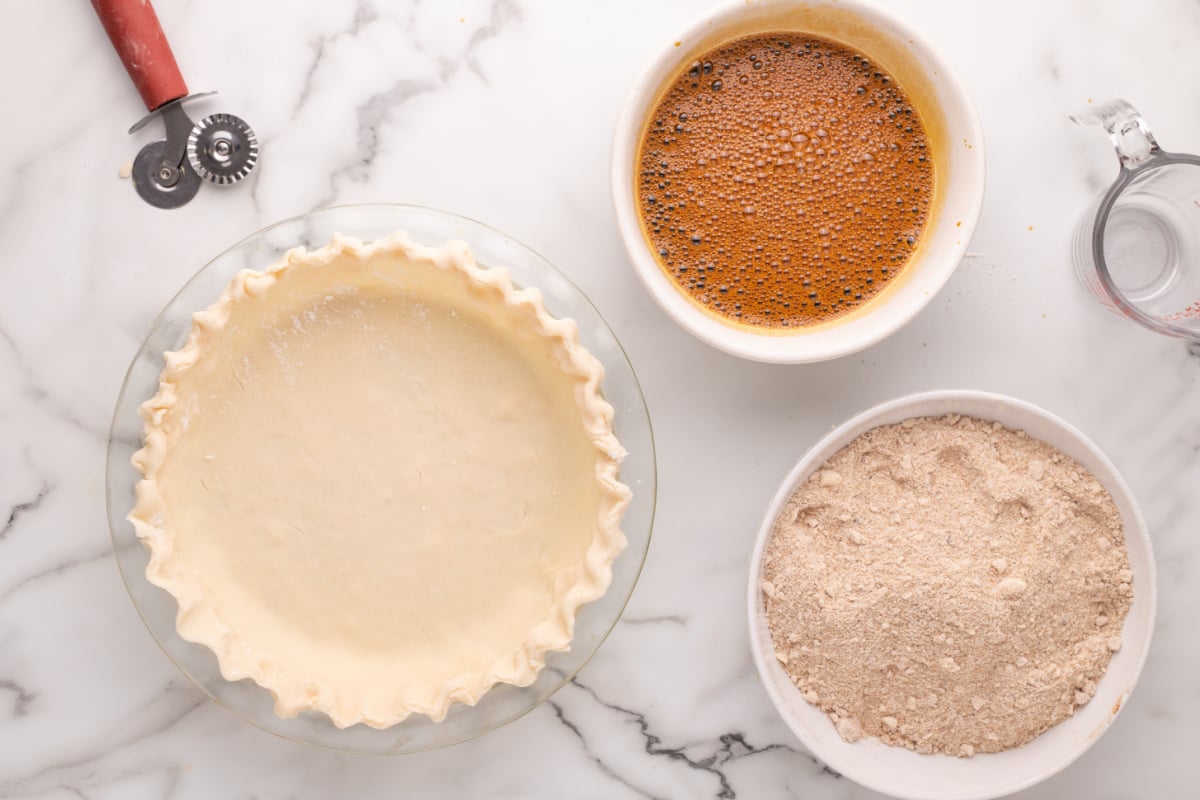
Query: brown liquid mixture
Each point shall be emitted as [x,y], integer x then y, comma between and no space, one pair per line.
[784,179]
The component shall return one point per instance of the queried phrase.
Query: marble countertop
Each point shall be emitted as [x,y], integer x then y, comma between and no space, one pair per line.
[503,111]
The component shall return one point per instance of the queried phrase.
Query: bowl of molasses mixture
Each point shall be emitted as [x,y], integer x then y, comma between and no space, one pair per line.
[794,181]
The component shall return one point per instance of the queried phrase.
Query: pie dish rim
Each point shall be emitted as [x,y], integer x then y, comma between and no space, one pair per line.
[195,621]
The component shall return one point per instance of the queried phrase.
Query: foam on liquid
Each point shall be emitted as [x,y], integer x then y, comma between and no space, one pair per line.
[784,179]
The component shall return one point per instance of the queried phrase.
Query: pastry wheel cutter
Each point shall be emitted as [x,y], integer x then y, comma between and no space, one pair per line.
[220,148]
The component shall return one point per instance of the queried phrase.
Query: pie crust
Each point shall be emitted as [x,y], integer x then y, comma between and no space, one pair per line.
[379,480]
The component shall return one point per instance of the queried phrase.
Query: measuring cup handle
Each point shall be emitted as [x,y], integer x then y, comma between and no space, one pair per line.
[139,40]
[1129,132]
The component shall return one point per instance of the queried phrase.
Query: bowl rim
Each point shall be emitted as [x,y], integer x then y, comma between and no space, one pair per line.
[744,342]
[1134,529]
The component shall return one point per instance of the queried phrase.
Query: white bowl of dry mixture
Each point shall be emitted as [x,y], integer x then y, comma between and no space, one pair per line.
[951,596]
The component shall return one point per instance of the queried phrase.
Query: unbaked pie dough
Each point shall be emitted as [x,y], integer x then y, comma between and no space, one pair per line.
[379,479]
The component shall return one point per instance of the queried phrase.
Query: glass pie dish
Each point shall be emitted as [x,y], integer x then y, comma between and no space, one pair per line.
[501,704]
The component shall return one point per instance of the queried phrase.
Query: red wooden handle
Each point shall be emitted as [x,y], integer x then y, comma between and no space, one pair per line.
[133,28]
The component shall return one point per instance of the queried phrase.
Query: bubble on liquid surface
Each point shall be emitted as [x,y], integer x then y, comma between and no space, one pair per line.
[812,186]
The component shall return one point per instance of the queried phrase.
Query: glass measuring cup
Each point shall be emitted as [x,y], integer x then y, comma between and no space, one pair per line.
[1137,248]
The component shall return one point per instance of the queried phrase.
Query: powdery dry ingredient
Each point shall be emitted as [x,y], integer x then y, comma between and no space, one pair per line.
[947,585]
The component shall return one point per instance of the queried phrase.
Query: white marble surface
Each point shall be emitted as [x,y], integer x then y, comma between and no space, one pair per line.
[503,111]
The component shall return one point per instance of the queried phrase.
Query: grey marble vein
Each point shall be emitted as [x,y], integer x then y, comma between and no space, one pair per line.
[728,747]
[599,762]
[58,569]
[18,185]
[43,397]
[374,115]
[64,414]
[503,13]
[16,182]
[1052,67]
[22,697]
[99,780]
[24,508]
[163,712]
[364,14]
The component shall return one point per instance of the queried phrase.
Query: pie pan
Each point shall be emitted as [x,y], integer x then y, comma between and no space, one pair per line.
[903,773]
[503,703]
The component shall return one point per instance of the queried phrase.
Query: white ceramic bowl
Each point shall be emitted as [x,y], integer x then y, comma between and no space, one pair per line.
[956,143]
[903,773]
